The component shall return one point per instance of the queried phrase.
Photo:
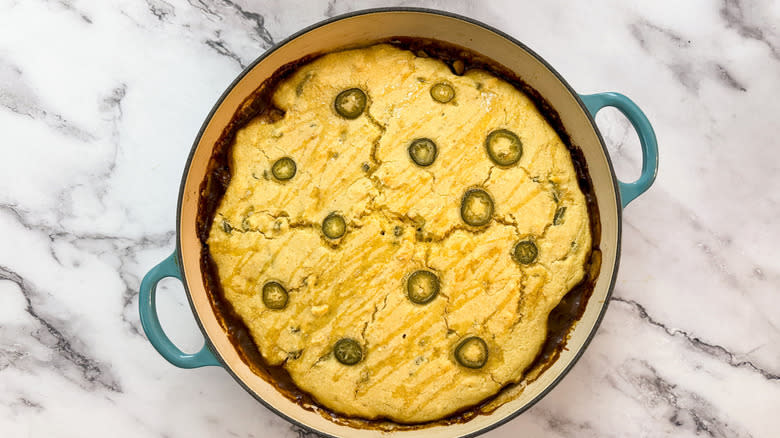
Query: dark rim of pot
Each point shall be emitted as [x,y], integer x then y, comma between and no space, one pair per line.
[275,47]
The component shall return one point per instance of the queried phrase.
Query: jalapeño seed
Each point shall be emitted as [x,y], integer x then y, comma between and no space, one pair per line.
[472,352]
[422,287]
[350,103]
[504,147]
[525,252]
[476,207]
[423,152]
[348,351]
[274,295]
[442,92]
[334,226]
[284,168]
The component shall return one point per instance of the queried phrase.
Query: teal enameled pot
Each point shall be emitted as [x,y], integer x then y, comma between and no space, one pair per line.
[576,113]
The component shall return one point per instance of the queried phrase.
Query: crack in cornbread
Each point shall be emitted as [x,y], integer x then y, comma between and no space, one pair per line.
[399,218]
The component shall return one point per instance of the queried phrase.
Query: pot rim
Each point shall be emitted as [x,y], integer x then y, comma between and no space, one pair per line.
[591,118]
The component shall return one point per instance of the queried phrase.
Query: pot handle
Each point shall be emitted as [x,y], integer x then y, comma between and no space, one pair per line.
[151,323]
[629,191]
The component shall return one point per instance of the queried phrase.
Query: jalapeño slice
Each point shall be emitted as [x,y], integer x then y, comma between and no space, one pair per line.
[476,207]
[334,226]
[504,147]
[472,352]
[525,252]
[348,351]
[274,295]
[423,152]
[422,287]
[351,103]
[442,92]
[284,168]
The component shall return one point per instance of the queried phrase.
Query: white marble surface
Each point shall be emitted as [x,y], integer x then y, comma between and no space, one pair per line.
[99,104]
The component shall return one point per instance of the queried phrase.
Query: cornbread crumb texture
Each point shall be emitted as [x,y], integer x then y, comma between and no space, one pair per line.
[399,217]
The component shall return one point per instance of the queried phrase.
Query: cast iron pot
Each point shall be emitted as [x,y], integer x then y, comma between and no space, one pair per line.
[361,28]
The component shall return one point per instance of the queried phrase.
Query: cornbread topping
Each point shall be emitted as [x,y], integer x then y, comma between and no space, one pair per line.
[397,240]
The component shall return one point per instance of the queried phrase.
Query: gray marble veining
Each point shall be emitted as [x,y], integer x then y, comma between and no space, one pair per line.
[99,104]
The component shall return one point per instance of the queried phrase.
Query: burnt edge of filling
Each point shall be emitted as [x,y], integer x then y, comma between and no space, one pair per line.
[560,322]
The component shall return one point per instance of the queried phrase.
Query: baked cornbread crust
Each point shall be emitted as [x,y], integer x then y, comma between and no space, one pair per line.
[400,218]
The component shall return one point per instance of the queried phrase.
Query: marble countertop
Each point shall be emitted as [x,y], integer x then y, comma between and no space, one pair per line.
[100,102]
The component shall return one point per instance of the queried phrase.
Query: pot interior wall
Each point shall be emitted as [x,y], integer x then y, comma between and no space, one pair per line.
[356,31]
